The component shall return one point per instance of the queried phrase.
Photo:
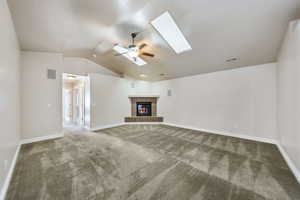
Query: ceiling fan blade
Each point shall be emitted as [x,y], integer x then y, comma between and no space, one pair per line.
[120,49]
[147,54]
[120,54]
[142,46]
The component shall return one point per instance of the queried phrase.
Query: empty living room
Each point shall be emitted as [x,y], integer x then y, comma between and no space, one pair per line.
[150,100]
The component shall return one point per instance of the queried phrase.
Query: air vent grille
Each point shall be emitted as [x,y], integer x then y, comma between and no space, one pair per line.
[51,74]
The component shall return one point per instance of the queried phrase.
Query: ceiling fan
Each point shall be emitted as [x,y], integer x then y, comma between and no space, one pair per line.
[133,51]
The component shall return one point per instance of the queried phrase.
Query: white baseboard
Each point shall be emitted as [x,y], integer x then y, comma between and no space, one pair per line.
[218,132]
[290,163]
[26,141]
[14,161]
[10,173]
[42,138]
[285,155]
[106,126]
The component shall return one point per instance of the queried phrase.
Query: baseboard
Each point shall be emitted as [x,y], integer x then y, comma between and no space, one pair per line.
[290,163]
[218,132]
[10,173]
[285,155]
[38,139]
[106,126]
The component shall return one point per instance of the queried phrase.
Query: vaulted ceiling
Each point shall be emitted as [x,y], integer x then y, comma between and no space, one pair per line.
[249,30]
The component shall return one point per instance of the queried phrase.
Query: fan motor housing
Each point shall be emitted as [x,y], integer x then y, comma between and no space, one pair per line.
[132,46]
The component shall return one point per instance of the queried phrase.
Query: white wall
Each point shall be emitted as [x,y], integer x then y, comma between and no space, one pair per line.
[41,97]
[87,104]
[109,98]
[240,101]
[289,93]
[82,66]
[9,91]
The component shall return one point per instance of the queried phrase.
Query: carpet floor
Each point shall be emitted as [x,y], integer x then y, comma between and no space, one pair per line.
[151,162]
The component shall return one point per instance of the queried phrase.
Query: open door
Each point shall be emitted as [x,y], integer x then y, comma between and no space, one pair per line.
[74,93]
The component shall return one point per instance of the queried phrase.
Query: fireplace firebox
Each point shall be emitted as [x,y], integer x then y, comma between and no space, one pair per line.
[143,109]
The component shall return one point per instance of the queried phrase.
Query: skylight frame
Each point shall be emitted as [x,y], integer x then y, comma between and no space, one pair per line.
[166,26]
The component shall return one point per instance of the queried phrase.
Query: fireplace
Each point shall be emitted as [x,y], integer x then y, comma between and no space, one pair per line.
[143,109]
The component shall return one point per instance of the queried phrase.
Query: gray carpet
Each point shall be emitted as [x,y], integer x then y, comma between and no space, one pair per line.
[151,162]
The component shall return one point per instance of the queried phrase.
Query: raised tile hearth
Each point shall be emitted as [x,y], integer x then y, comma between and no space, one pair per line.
[143,119]
[143,109]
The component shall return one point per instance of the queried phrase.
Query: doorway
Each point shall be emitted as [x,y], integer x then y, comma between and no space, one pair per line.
[74,95]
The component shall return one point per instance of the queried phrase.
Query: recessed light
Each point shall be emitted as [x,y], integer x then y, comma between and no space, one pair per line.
[143,75]
[169,30]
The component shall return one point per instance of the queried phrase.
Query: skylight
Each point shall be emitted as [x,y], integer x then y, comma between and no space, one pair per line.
[168,29]
[123,51]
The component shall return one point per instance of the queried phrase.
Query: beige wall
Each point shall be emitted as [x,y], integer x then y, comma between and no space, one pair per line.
[240,101]
[41,97]
[109,98]
[82,66]
[9,92]
[289,94]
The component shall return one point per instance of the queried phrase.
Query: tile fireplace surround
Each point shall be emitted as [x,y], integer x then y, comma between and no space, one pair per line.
[135,118]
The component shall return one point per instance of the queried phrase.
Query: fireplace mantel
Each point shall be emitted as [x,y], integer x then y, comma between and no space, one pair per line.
[145,96]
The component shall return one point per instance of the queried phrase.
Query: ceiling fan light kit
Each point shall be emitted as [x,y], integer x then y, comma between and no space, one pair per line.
[133,52]
[125,52]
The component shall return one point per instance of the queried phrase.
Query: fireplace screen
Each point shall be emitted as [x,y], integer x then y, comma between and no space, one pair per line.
[143,108]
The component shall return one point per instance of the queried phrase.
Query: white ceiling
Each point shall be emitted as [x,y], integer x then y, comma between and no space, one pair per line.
[250,30]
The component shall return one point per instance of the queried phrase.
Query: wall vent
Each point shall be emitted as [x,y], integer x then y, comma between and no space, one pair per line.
[51,74]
